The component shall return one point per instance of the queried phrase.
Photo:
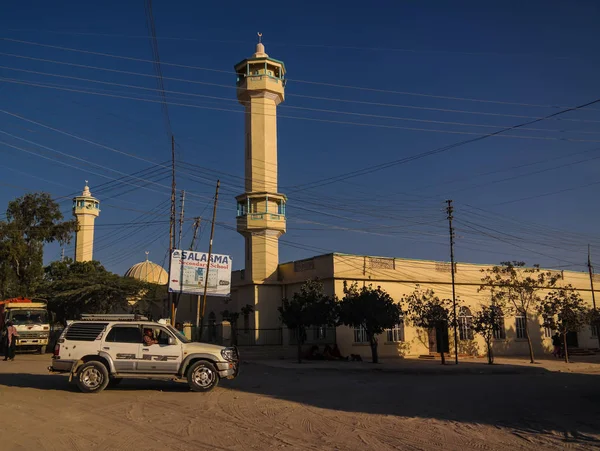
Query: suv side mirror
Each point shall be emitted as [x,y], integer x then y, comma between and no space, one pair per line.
[172,341]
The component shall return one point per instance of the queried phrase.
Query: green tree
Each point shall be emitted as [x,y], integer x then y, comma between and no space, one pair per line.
[518,289]
[73,288]
[424,309]
[370,308]
[31,221]
[309,307]
[487,322]
[564,311]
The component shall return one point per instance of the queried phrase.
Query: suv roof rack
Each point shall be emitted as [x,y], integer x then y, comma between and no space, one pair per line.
[113,317]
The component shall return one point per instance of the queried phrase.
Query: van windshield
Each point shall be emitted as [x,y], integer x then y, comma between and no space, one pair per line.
[20,317]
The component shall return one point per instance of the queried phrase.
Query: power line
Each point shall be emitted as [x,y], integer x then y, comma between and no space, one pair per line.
[387,165]
[330,99]
[387,91]
[162,92]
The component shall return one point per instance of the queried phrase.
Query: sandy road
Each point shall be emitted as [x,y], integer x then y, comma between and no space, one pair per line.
[271,408]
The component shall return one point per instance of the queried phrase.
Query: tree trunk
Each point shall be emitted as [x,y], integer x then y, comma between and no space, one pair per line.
[529,340]
[490,352]
[441,334]
[565,346]
[374,355]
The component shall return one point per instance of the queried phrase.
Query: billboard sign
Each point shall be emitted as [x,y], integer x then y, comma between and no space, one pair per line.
[188,273]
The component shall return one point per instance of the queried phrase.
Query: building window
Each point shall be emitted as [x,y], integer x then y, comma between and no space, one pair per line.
[521,324]
[396,334]
[500,333]
[360,335]
[321,333]
[465,324]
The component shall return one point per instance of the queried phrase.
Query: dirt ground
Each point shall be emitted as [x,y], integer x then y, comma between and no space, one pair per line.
[303,408]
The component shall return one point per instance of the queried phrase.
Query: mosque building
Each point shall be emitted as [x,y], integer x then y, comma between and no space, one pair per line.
[264,282]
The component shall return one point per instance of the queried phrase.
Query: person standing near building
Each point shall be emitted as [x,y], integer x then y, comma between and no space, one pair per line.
[557,345]
[11,341]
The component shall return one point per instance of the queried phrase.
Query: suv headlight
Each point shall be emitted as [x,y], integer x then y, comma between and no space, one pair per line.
[229,354]
[44,335]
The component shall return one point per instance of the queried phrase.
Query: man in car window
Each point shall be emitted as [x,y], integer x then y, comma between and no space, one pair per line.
[149,337]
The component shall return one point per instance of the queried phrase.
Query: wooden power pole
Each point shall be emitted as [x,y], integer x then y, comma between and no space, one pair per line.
[201,309]
[172,235]
[196,227]
[595,322]
[181,219]
[450,210]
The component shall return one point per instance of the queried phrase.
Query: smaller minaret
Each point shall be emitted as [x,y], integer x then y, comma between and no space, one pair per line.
[85,208]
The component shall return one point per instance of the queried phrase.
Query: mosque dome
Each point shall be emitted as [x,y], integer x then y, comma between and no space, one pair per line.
[148,271]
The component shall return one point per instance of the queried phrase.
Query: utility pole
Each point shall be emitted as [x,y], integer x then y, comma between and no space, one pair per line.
[200,311]
[62,255]
[172,227]
[181,217]
[450,210]
[595,323]
[196,226]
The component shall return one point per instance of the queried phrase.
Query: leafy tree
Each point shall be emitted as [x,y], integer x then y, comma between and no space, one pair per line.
[31,221]
[309,307]
[424,309]
[370,308]
[518,289]
[486,323]
[233,317]
[73,288]
[564,311]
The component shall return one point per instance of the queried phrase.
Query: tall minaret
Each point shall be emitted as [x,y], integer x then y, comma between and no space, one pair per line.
[85,208]
[261,209]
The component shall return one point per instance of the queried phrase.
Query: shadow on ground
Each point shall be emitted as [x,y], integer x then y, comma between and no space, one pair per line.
[535,401]
[525,400]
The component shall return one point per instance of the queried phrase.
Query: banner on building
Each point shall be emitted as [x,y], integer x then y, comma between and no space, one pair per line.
[188,273]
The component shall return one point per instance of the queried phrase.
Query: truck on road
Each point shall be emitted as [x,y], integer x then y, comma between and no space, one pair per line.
[30,318]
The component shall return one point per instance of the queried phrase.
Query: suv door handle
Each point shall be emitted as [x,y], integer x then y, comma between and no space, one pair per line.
[106,348]
[145,349]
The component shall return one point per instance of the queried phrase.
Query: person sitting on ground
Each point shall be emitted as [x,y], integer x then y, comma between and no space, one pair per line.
[335,352]
[149,338]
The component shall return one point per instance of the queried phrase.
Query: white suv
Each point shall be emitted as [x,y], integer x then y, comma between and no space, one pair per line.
[97,352]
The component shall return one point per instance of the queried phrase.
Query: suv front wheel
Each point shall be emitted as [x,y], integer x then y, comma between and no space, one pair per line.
[202,376]
[92,377]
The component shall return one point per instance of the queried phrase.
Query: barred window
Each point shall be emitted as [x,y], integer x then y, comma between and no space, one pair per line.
[500,333]
[520,325]
[360,335]
[465,324]
[396,334]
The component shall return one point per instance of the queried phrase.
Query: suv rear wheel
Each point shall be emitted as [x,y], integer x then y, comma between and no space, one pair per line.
[202,376]
[92,377]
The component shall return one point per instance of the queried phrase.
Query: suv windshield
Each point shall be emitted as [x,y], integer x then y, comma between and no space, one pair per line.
[179,335]
[19,317]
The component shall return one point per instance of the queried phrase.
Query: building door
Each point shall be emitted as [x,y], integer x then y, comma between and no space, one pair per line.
[432,340]
[122,344]
[160,357]
[436,337]
[572,341]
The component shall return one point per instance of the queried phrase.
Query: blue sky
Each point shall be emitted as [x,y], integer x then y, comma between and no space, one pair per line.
[397,79]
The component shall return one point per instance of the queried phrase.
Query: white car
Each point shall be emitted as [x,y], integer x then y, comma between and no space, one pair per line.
[105,349]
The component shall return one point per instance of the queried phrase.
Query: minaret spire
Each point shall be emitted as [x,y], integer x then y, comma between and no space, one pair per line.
[261,209]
